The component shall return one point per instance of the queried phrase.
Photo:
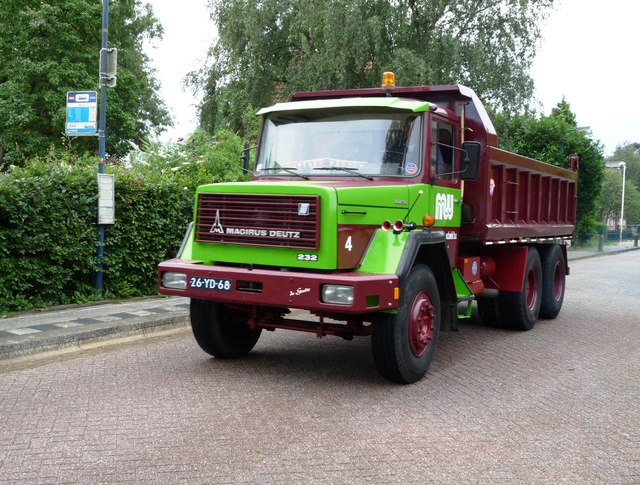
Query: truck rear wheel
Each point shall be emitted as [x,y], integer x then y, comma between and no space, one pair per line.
[221,332]
[553,282]
[520,309]
[404,344]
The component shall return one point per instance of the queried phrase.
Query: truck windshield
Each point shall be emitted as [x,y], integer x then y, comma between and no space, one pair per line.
[341,142]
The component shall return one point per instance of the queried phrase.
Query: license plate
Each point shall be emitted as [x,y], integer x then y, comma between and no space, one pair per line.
[200,283]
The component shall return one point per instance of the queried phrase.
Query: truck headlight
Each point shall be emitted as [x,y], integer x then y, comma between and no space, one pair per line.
[337,294]
[175,281]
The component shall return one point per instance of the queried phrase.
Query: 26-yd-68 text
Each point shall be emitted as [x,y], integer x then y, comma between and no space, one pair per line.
[200,283]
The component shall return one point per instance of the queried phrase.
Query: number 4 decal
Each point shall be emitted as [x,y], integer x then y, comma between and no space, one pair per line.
[348,244]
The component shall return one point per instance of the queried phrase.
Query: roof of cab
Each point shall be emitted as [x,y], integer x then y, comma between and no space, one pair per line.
[415,106]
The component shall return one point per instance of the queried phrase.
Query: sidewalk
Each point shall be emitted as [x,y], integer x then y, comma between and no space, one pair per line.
[576,253]
[79,326]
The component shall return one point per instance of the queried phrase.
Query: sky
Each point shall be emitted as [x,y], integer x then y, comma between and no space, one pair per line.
[188,33]
[587,55]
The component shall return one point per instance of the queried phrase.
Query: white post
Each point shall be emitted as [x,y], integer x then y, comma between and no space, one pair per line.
[623,166]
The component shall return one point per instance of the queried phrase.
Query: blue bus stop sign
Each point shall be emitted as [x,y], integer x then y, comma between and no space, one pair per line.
[82,113]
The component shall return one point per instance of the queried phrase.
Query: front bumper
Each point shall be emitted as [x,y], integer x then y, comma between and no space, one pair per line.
[285,289]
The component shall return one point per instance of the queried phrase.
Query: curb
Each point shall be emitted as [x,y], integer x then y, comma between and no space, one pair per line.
[596,253]
[78,339]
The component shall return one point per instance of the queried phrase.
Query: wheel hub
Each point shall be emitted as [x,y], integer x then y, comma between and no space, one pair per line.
[422,324]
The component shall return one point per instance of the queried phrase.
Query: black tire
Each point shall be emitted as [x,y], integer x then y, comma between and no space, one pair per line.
[553,282]
[221,332]
[490,311]
[404,344]
[520,308]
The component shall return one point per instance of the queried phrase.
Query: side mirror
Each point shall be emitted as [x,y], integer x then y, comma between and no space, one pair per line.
[471,160]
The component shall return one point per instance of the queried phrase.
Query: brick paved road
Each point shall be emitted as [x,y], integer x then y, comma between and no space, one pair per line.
[559,404]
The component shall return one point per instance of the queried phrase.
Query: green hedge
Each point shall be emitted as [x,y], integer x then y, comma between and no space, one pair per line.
[48,226]
[152,213]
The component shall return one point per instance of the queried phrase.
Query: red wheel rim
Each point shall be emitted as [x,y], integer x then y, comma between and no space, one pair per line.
[532,289]
[422,324]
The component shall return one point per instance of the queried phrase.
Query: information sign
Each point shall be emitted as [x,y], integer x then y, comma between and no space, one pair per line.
[82,113]
[106,199]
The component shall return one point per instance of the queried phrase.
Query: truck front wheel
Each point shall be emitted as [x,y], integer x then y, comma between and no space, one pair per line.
[553,282]
[520,309]
[221,332]
[404,344]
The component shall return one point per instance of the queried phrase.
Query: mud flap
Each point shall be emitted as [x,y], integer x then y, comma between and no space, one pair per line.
[449,316]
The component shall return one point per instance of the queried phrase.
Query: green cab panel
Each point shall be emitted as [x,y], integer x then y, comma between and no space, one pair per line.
[259,223]
[446,206]
[384,252]
[391,196]
[241,209]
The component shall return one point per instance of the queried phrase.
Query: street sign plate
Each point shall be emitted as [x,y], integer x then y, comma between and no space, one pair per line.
[82,113]
[106,199]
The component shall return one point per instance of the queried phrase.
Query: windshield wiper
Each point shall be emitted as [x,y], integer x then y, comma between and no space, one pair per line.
[290,170]
[353,171]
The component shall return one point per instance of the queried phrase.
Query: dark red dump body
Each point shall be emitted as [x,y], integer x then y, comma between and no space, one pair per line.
[519,198]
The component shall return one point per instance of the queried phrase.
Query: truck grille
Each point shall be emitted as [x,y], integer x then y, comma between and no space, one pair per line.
[287,221]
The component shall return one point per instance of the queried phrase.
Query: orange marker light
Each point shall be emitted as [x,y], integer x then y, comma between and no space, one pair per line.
[428,221]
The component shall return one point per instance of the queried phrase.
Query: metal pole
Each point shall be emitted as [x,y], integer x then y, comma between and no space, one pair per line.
[623,165]
[102,133]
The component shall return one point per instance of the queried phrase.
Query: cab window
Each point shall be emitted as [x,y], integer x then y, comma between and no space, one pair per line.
[341,142]
[442,151]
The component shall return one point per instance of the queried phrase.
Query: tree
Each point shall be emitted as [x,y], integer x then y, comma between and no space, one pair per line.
[611,203]
[267,49]
[631,203]
[50,48]
[611,195]
[540,137]
[611,206]
[630,154]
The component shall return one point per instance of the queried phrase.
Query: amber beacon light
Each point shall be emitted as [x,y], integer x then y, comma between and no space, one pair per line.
[388,80]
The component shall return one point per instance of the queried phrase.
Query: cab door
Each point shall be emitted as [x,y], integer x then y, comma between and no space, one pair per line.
[443,148]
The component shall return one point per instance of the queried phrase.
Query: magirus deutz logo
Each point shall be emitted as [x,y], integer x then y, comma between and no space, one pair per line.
[217,228]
